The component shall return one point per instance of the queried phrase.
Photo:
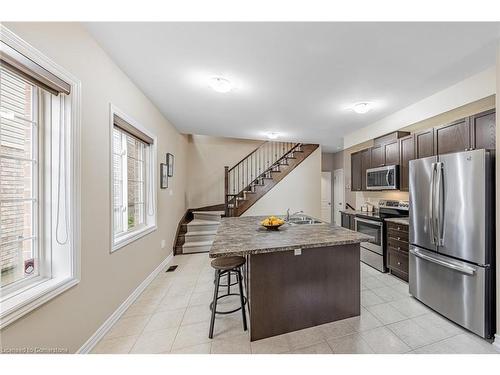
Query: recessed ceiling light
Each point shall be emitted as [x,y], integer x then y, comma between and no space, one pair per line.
[362,107]
[220,84]
[272,135]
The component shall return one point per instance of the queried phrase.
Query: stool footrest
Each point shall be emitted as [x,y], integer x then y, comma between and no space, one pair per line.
[230,311]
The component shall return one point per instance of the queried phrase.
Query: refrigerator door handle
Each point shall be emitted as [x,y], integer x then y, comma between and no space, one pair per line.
[431,205]
[440,204]
[464,269]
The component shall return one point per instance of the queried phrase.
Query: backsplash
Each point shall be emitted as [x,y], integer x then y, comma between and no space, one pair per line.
[373,197]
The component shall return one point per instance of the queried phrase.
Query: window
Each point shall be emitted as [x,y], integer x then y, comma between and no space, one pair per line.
[19,201]
[39,154]
[133,201]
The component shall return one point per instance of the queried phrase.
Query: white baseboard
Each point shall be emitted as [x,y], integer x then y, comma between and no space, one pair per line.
[113,318]
[496,343]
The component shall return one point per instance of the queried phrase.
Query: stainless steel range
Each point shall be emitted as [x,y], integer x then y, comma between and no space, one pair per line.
[374,253]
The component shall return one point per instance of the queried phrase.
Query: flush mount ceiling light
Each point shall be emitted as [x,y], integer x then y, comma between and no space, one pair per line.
[220,84]
[362,107]
[272,135]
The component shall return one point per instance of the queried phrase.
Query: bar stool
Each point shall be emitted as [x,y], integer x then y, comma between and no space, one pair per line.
[226,266]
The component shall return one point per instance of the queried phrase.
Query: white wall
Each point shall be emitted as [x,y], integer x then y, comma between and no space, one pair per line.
[106,279]
[469,90]
[207,157]
[299,190]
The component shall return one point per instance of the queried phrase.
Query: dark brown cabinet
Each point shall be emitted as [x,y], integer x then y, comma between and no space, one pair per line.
[386,149]
[356,183]
[378,159]
[483,130]
[397,249]
[452,137]
[347,220]
[424,144]
[406,153]
[366,156]
[391,153]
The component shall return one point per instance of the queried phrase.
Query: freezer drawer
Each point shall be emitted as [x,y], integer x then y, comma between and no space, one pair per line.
[455,289]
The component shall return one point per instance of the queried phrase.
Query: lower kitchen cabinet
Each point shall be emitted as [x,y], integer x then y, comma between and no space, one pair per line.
[347,220]
[397,249]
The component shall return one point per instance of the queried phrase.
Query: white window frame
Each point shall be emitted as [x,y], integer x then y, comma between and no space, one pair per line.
[150,196]
[64,272]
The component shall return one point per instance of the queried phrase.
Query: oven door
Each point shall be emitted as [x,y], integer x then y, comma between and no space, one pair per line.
[374,229]
[382,178]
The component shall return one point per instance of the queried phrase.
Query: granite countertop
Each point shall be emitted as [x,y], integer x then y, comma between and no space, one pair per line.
[245,235]
[399,220]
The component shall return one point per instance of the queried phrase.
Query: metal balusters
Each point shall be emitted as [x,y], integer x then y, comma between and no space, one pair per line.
[256,165]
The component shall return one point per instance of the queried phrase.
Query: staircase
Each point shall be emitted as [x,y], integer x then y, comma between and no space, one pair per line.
[259,172]
[198,235]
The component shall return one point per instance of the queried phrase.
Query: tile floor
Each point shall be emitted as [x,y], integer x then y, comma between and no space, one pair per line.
[172,316]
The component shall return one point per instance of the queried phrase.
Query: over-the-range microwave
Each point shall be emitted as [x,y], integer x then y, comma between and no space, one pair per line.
[383,178]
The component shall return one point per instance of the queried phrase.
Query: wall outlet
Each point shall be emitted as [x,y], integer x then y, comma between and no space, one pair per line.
[297,252]
[163,243]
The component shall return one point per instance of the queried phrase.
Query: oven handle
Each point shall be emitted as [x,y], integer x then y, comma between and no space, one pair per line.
[377,223]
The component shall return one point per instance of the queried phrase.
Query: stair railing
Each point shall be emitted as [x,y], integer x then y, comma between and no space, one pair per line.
[252,167]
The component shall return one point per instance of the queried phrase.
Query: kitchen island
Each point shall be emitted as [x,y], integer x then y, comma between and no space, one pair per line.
[297,277]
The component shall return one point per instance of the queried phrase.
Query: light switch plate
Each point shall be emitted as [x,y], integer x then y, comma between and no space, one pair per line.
[297,252]
[163,243]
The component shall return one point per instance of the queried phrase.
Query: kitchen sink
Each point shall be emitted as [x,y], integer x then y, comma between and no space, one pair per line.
[303,219]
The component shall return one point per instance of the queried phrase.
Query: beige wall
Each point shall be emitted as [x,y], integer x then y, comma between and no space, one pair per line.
[299,191]
[479,86]
[106,279]
[207,157]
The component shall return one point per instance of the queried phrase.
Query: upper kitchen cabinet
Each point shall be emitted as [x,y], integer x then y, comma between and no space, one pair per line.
[483,130]
[386,149]
[360,162]
[356,183]
[366,162]
[391,153]
[452,137]
[378,159]
[406,153]
[424,143]
[389,138]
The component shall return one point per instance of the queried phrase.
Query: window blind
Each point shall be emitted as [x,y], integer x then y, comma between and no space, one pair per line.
[17,171]
[126,127]
[31,71]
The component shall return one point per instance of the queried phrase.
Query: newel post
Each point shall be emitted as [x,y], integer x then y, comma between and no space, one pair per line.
[226,188]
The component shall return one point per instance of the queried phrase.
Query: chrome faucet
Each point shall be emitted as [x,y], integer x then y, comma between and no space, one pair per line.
[288,216]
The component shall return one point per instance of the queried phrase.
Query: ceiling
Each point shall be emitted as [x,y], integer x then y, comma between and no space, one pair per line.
[293,78]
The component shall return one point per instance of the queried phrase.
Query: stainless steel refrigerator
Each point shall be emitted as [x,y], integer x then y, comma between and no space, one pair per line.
[452,237]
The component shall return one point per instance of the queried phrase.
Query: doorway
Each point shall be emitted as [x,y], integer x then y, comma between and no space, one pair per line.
[326,196]
[338,194]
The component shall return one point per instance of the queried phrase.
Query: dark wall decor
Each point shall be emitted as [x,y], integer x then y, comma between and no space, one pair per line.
[170,164]
[163,176]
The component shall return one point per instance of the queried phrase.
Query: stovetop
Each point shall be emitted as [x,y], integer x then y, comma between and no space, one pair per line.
[387,209]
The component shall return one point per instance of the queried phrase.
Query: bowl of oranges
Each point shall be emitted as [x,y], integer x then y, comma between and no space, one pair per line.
[272,223]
